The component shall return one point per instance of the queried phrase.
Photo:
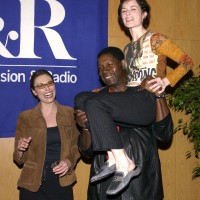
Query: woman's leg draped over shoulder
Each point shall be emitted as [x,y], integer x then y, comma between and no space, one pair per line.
[88,101]
[104,110]
[81,98]
[128,108]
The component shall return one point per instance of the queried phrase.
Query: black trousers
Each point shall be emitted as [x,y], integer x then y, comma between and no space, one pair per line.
[105,110]
[50,189]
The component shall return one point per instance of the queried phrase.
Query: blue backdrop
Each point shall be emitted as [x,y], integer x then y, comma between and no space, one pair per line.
[62,36]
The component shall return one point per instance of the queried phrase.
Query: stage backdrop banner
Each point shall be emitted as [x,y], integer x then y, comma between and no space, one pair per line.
[61,36]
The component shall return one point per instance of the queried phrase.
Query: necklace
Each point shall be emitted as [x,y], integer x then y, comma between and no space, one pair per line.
[135,49]
[137,46]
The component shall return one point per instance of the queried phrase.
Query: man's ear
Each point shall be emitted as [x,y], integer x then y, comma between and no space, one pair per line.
[123,64]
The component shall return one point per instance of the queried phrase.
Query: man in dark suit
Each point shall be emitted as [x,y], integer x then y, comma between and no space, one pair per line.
[139,139]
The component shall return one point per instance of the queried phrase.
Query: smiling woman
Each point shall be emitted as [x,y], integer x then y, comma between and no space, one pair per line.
[148,51]
[42,140]
[9,76]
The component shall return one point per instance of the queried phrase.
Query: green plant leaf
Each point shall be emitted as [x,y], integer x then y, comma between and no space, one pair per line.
[186,98]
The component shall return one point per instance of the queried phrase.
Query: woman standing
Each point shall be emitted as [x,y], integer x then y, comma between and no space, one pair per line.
[46,144]
[147,52]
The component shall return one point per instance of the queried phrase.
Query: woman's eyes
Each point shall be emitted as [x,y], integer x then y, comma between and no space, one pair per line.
[125,11]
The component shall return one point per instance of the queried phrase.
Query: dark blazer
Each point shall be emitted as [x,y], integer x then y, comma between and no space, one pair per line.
[31,123]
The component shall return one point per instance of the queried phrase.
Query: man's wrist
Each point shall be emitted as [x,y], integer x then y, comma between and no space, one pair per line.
[163,96]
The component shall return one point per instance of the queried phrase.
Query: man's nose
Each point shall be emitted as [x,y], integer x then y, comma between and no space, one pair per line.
[105,68]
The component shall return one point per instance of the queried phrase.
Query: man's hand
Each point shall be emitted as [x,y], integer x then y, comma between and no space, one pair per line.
[80,118]
[150,84]
[160,84]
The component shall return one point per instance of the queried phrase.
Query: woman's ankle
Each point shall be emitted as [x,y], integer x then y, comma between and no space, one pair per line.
[110,162]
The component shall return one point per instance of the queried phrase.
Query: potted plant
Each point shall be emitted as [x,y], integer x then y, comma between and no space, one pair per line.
[186,98]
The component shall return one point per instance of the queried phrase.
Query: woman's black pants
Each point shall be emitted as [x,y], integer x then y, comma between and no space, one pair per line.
[105,111]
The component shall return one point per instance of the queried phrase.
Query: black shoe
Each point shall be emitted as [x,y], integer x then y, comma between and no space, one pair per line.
[120,181]
[104,172]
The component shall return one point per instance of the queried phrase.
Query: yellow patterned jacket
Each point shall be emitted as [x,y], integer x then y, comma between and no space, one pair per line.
[148,56]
